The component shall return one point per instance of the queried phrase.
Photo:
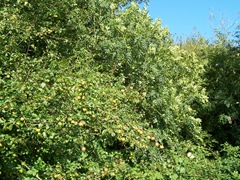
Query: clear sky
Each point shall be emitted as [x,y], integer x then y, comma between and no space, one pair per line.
[185,17]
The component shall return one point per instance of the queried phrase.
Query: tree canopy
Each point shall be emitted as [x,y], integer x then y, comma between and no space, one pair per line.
[97,90]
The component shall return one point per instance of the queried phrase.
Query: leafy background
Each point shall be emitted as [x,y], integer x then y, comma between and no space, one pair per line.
[96,90]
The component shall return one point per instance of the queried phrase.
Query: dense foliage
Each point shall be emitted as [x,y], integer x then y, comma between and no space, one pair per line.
[95,90]
[221,117]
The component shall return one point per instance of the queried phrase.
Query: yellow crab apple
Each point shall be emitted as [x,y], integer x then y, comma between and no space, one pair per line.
[105,169]
[81,123]
[157,144]
[152,138]
[161,146]
[84,148]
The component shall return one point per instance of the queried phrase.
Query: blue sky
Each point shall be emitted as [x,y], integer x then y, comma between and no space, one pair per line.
[185,17]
